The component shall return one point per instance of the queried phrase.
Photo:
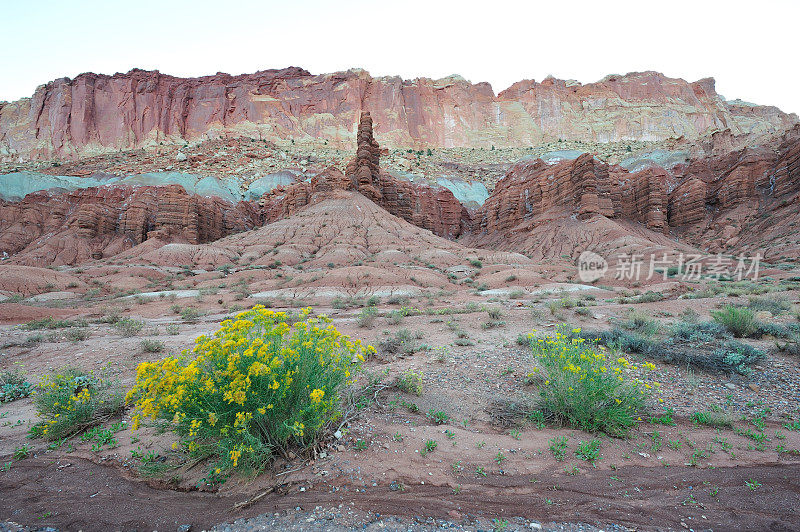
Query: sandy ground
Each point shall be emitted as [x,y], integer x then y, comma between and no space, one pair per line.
[636,483]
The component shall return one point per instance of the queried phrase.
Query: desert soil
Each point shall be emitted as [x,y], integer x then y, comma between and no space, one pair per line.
[390,484]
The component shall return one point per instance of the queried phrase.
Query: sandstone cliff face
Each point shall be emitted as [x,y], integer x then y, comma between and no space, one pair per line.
[91,223]
[98,113]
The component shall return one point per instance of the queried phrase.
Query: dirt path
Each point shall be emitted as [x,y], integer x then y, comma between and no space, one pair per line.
[89,496]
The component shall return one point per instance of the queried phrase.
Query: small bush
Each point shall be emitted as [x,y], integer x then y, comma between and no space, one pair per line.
[476,263]
[395,317]
[640,322]
[585,388]
[52,323]
[437,416]
[77,335]
[172,329]
[619,339]
[411,382]
[737,356]
[190,314]
[152,346]
[772,304]
[13,386]
[494,313]
[255,387]
[366,318]
[712,419]
[772,329]
[649,297]
[128,327]
[708,355]
[403,342]
[558,446]
[588,451]
[567,302]
[21,453]
[699,331]
[741,322]
[71,401]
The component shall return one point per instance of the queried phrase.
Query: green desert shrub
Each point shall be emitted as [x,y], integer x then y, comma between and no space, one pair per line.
[128,327]
[366,317]
[712,419]
[13,386]
[737,356]
[649,297]
[588,389]
[403,342]
[618,338]
[775,304]
[71,401]
[190,314]
[52,323]
[77,334]
[256,387]
[709,355]
[741,322]
[150,345]
[699,331]
[410,382]
[641,323]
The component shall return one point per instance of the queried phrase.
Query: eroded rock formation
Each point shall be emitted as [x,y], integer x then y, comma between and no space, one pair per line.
[69,228]
[94,113]
[430,207]
[720,203]
[583,186]
[704,187]
[364,169]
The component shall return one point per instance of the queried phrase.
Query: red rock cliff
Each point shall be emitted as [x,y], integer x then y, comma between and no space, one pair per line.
[98,113]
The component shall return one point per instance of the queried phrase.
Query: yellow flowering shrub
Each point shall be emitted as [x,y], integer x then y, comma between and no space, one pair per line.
[71,401]
[255,387]
[588,388]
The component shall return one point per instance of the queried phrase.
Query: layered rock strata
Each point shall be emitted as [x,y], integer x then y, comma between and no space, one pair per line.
[94,114]
[95,222]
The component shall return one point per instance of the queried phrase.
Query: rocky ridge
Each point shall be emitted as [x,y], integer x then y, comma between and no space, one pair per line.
[94,114]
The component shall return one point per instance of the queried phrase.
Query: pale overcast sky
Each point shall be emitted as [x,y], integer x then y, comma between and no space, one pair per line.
[750,47]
